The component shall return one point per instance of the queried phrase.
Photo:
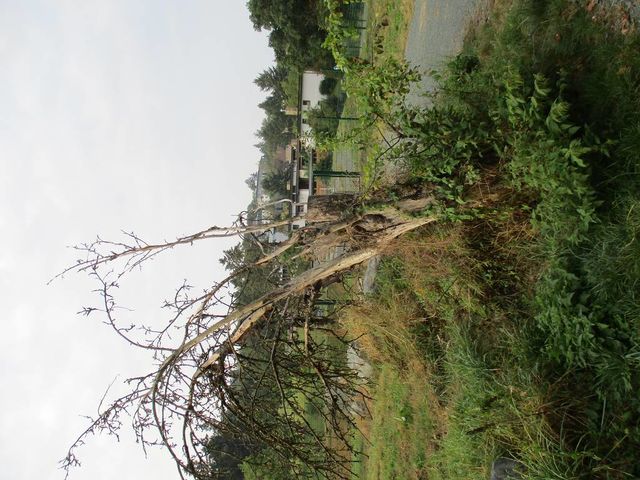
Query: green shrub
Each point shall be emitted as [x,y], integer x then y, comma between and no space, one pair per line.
[328,85]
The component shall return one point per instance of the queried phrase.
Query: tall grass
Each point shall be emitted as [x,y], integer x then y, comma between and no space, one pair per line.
[587,308]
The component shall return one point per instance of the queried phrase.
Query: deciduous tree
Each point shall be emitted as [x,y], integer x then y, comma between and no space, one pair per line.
[211,378]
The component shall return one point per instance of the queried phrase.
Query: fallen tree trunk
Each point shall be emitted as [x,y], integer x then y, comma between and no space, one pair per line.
[173,391]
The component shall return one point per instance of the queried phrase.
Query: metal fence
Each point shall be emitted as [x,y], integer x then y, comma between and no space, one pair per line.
[354,17]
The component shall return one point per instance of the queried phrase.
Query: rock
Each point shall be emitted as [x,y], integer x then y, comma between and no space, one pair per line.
[506,469]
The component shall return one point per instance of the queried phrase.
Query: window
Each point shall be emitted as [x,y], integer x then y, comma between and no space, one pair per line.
[306,103]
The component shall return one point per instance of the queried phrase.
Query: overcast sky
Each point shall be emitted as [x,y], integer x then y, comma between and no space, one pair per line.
[114,114]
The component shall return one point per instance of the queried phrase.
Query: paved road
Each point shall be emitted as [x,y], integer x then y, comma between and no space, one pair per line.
[436,34]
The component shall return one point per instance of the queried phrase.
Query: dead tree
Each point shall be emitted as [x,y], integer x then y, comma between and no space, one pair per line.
[217,365]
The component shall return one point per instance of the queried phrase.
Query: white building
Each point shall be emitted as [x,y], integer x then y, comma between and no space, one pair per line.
[310,97]
[301,152]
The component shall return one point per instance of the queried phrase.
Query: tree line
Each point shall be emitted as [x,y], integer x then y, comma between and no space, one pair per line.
[297,30]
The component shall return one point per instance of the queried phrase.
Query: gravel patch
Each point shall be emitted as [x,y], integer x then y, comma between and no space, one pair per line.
[436,34]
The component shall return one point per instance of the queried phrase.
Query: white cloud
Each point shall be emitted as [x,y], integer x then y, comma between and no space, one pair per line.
[113,114]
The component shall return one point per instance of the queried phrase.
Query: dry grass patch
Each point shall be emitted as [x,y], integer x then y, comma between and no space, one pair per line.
[390,21]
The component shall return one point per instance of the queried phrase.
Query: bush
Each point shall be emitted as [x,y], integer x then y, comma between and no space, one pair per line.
[327,85]
[324,119]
